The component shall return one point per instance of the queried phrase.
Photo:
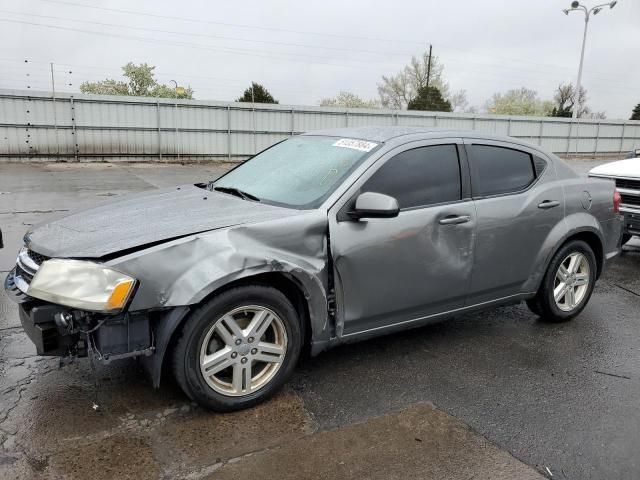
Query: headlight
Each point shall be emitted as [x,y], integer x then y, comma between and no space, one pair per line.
[81,284]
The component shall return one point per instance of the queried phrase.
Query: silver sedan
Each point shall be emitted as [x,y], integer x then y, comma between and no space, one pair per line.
[324,238]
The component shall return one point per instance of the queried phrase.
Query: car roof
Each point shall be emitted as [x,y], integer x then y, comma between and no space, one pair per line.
[386,134]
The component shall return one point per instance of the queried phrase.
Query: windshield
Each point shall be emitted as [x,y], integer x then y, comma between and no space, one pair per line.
[300,172]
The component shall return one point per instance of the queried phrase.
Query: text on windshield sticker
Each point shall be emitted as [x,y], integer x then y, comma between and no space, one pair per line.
[361,145]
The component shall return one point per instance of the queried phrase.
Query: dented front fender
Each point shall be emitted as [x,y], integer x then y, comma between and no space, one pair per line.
[186,271]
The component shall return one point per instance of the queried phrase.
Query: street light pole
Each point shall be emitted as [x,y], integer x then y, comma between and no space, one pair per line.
[587,14]
[576,95]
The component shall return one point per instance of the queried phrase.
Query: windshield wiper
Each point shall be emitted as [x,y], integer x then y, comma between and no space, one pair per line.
[237,192]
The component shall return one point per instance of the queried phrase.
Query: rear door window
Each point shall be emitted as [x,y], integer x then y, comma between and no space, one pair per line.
[499,170]
[419,177]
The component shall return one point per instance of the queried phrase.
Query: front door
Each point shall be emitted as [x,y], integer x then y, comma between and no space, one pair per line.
[407,268]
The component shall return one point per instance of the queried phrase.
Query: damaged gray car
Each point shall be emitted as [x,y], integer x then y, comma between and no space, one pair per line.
[321,239]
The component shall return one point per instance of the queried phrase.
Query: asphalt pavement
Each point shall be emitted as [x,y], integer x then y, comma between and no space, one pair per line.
[497,394]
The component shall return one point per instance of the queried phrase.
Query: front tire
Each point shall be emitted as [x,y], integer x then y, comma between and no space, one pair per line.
[567,284]
[238,349]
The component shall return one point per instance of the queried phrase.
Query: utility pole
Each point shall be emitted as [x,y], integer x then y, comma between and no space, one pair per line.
[428,73]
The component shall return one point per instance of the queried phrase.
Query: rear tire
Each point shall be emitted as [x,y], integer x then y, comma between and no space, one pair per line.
[568,283]
[238,349]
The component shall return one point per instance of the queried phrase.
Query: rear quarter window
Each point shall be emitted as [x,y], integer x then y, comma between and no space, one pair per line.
[500,170]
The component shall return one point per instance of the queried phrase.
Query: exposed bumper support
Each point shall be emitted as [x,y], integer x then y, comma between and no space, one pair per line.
[631,220]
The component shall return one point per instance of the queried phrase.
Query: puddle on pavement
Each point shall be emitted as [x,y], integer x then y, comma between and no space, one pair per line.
[51,430]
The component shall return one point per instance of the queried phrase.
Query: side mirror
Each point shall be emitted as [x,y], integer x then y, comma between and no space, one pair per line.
[374,205]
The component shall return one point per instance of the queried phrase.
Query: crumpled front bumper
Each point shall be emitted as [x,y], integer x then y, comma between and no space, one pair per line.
[57,330]
[144,334]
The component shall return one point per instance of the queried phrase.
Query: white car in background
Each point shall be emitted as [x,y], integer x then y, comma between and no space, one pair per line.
[626,174]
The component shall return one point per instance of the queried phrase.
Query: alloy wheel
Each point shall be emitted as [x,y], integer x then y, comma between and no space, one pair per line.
[243,350]
[571,282]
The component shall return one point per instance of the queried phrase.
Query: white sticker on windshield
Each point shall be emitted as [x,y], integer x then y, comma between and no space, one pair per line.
[361,145]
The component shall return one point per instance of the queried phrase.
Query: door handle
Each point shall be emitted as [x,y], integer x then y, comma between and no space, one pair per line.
[549,204]
[454,220]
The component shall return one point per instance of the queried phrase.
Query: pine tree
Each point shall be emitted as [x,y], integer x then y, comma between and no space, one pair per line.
[635,115]
[256,93]
[429,99]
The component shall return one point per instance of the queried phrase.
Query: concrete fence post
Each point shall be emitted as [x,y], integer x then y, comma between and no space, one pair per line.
[74,131]
[540,131]
[595,147]
[159,130]
[177,142]
[228,132]
[624,124]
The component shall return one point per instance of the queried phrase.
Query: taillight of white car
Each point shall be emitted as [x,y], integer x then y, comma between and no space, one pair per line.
[617,200]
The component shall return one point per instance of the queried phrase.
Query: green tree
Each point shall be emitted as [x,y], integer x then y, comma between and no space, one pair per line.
[348,100]
[140,82]
[635,115]
[429,99]
[256,93]
[519,101]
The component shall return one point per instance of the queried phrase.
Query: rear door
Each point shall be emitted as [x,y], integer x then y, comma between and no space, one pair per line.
[394,270]
[518,202]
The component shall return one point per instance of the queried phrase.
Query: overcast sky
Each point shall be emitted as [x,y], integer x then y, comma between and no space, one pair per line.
[303,51]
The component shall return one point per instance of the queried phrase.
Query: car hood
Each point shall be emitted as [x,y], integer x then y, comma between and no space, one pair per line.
[621,168]
[137,220]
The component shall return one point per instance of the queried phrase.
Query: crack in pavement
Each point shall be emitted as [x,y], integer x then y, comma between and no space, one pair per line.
[35,211]
[613,374]
[627,290]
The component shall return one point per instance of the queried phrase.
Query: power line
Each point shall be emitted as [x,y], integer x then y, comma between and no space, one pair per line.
[237,51]
[236,25]
[205,35]
[259,27]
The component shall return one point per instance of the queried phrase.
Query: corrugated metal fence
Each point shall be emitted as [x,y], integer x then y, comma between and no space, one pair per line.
[34,125]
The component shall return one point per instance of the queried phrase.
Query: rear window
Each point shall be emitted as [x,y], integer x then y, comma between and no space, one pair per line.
[499,170]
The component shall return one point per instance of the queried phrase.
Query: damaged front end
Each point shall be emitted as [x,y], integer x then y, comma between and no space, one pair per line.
[169,279]
[65,331]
